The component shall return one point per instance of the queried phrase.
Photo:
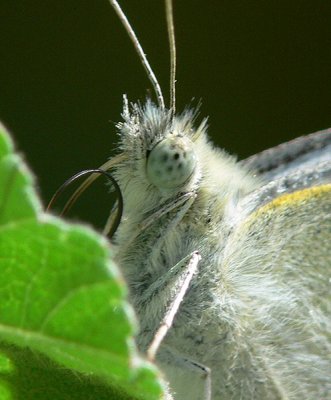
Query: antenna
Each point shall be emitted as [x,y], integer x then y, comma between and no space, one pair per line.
[140,51]
[172,46]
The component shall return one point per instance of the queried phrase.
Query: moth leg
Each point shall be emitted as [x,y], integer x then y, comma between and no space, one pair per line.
[185,198]
[183,203]
[182,210]
[177,281]
[176,292]
[185,364]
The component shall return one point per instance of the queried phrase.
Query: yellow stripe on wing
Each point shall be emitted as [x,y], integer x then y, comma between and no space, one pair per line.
[300,196]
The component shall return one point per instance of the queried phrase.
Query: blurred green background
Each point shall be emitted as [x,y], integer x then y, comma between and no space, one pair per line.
[261,69]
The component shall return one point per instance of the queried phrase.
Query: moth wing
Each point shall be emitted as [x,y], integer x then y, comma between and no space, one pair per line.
[303,152]
[277,269]
[301,163]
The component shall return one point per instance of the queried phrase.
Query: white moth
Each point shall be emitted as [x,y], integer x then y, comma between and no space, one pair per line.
[227,263]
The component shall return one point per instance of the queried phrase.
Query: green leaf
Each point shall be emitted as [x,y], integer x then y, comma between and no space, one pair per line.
[62,297]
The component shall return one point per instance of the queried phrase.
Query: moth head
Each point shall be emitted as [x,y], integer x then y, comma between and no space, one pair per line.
[161,150]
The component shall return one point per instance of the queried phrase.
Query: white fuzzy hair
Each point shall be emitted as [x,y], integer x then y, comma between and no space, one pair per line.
[257,312]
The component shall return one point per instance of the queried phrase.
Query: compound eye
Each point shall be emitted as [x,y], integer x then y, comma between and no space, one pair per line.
[171,162]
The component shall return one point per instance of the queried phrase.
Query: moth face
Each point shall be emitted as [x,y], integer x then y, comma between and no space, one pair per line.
[161,151]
